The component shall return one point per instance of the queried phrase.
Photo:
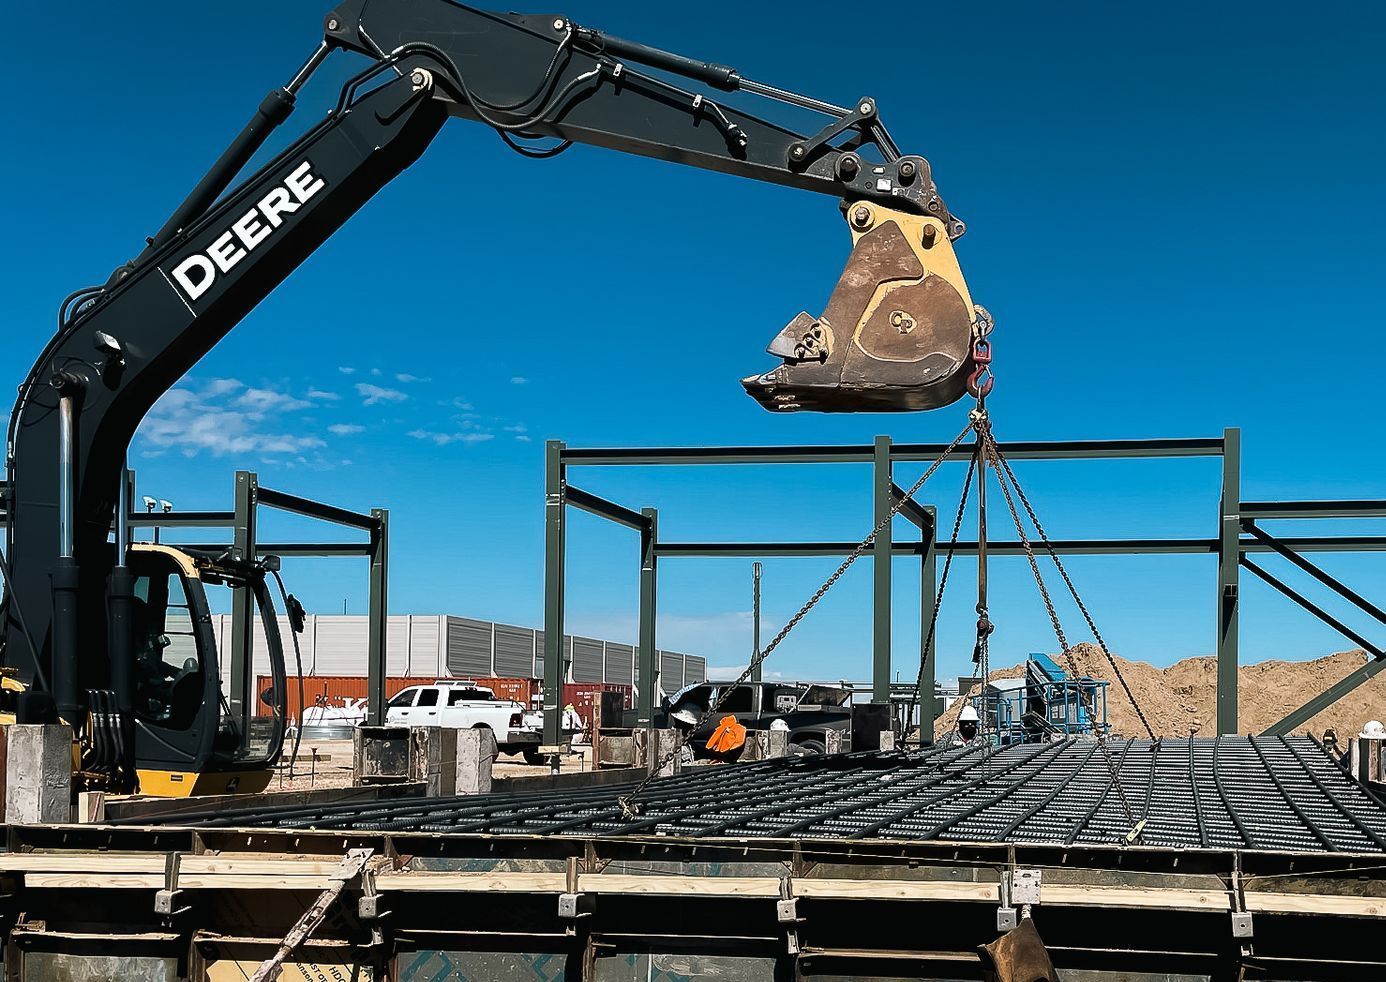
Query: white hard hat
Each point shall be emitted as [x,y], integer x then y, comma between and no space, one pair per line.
[685,716]
[1373,729]
[968,715]
[779,724]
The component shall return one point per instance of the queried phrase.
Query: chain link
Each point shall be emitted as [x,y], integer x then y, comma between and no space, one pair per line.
[629,806]
[984,435]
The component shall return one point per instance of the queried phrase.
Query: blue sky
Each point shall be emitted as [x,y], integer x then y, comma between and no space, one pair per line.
[1174,213]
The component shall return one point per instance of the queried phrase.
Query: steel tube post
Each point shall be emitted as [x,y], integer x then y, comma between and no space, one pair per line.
[883,500]
[1229,565]
[755,622]
[928,588]
[649,593]
[243,546]
[554,570]
[378,617]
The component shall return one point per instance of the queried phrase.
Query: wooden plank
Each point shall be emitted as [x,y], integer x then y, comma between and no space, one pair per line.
[147,881]
[1315,903]
[117,863]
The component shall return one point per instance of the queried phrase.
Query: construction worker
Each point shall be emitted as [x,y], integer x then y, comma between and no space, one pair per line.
[965,735]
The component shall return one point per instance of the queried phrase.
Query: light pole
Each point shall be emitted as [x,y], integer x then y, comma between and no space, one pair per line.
[755,621]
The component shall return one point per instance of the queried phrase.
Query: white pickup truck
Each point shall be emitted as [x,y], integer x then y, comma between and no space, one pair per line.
[462,704]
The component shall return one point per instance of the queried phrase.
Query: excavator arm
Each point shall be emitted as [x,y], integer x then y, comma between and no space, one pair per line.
[895,334]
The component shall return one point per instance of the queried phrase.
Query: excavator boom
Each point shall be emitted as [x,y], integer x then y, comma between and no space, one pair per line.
[894,335]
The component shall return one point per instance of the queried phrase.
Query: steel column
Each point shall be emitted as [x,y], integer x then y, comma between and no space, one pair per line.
[649,593]
[883,500]
[378,618]
[928,588]
[554,569]
[1229,556]
[243,548]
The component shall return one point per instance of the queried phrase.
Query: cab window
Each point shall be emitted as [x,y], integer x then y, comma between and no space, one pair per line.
[428,697]
[740,700]
[168,663]
[403,700]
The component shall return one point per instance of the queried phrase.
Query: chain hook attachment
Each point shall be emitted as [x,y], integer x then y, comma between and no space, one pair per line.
[980,382]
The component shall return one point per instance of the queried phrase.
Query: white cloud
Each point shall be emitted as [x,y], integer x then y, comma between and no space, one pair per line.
[346,370]
[319,395]
[522,438]
[443,439]
[725,673]
[373,394]
[517,428]
[193,419]
[456,402]
[406,378]
[375,371]
[518,380]
[268,400]
[345,429]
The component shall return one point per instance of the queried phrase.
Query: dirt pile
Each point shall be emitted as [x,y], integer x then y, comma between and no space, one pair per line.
[1183,697]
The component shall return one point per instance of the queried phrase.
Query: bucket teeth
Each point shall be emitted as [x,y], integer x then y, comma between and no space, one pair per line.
[896,335]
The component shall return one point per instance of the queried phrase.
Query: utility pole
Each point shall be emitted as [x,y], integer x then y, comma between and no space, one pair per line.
[755,620]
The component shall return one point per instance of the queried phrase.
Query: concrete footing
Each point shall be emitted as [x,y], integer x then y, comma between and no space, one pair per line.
[399,754]
[476,753]
[764,744]
[38,773]
[832,741]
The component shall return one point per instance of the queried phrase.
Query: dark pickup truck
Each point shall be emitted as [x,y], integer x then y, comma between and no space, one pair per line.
[808,709]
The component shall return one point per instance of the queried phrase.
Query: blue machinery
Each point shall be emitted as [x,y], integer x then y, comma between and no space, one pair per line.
[1046,704]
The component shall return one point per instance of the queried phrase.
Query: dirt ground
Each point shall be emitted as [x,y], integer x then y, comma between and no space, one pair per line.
[331,767]
[1181,698]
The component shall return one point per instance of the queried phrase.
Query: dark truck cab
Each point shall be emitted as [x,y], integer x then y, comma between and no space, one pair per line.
[809,710]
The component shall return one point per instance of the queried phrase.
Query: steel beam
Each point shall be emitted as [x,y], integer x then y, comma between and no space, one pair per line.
[378,617]
[649,599]
[554,571]
[601,507]
[918,515]
[1278,547]
[183,519]
[848,454]
[243,548]
[1073,547]
[316,509]
[1229,556]
[883,500]
[1362,508]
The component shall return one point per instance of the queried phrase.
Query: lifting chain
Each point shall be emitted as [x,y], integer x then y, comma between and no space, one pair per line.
[1005,477]
[628,803]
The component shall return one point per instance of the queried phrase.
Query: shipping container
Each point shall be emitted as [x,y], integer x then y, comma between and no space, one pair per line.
[334,690]
[586,696]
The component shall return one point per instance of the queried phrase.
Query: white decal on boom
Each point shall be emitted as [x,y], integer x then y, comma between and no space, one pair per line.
[196,274]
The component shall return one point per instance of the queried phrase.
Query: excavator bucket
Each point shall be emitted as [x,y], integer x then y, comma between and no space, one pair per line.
[896,335]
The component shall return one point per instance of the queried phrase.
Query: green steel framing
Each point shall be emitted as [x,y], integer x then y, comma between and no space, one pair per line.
[1236,538]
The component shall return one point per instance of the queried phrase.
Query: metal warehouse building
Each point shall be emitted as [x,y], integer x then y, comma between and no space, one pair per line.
[440,645]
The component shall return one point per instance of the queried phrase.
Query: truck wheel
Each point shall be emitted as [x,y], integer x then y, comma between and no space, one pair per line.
[806,747]
[534,757]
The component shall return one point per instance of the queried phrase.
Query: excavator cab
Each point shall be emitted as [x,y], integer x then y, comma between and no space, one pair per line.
[188,738]
[897,334]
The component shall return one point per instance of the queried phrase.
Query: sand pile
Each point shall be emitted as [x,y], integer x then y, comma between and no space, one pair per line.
[1182,697]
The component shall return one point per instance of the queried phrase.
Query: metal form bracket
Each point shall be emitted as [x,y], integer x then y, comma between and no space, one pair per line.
[573,904]
[1242,928]
[787,914]
[168,900]
[1020,890]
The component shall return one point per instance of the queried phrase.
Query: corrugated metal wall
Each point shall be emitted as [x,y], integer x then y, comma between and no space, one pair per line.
[429,645]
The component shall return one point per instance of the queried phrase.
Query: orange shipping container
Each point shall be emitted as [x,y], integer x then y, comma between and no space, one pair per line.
[335,690]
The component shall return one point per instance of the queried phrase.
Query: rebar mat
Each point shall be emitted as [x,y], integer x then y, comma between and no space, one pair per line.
[1271,793]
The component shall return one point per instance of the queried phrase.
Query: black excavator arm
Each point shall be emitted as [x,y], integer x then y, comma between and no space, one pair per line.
[120,346]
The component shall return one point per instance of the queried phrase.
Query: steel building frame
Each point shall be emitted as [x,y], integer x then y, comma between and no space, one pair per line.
[243,520]
[1238,536]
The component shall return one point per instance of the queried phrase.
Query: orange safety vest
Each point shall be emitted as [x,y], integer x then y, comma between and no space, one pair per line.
[728,736]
